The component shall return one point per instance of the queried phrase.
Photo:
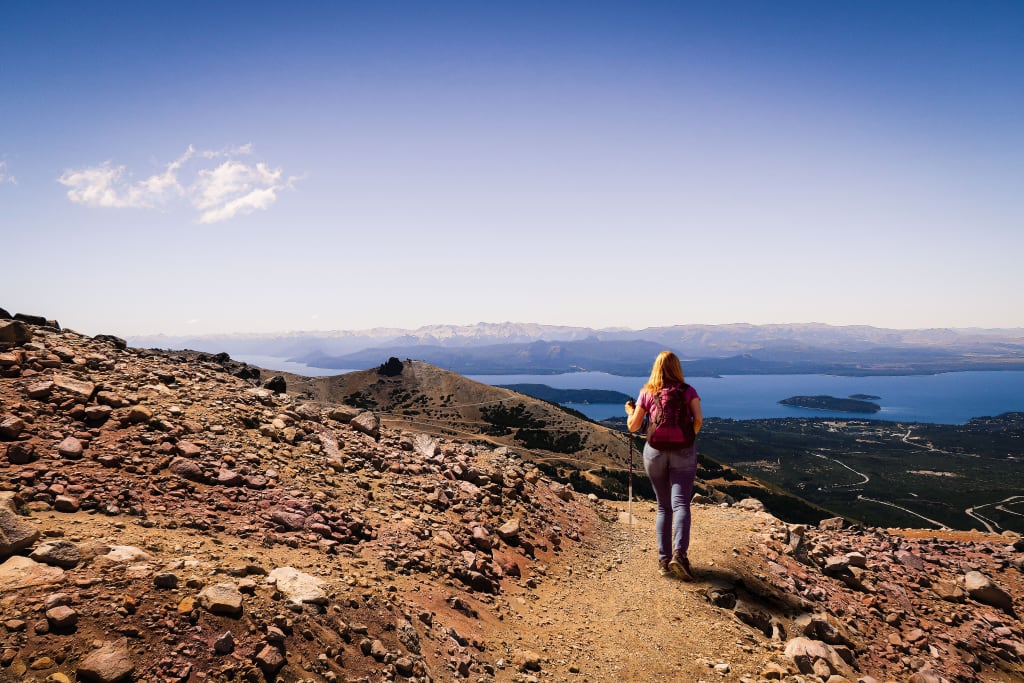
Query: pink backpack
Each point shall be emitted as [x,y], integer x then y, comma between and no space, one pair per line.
[671,424]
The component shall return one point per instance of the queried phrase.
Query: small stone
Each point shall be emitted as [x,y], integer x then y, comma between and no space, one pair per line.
[222,598]
[270,660]
[11,426]
[526,660]
[509,530]
[139,414]
[70,448]
[66,504]
[62,618]
[42,664]
[224,645]
[165,580]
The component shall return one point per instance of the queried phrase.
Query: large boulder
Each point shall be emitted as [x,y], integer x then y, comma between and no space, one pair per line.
[276,384]
[15,533]
[21,572]
[14,332]
[981,588]
[367,423]
[816,657]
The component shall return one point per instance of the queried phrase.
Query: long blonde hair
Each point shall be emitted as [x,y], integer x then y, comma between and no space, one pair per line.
[666,369]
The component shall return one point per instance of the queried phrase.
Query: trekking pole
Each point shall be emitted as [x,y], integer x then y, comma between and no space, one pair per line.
[629,503]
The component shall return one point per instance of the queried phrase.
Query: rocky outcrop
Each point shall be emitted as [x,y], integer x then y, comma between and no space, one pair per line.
[16,533]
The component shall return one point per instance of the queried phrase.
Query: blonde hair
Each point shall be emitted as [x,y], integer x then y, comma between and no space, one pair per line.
[666,368]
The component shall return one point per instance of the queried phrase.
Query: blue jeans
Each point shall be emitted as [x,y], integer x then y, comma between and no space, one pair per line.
[672,474]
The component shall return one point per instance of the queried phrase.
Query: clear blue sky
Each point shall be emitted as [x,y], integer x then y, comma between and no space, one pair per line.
[194,167]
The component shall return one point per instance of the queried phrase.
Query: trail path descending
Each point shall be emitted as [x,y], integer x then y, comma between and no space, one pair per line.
[610,616]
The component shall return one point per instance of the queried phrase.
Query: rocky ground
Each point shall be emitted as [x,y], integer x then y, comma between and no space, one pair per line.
[163,517]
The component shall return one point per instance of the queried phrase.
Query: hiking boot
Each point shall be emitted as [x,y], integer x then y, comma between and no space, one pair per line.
[663,568]
[680,566]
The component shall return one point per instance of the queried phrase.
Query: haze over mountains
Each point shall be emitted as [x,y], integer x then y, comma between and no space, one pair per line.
[499,348]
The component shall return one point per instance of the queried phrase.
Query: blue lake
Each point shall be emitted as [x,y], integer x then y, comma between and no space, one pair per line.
[950,398]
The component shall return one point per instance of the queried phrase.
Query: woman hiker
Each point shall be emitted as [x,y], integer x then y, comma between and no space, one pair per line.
[672,466]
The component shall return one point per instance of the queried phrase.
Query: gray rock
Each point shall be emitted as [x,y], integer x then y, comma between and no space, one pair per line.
[367,423]
[15,533]
[811,656]
[343,414]
[297,586]
[832,524]
[981,588]
[425,445]
[751,504]
[224,645]
[276,384]
[754,617]
[111,663]
[58,553]
[222,598]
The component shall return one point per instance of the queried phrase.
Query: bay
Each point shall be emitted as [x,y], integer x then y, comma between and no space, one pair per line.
[285,365]
[949,398]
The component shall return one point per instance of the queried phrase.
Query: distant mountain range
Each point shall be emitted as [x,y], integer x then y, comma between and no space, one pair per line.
[506,348]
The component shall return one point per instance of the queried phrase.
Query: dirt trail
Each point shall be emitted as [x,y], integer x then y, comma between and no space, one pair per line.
[607,615]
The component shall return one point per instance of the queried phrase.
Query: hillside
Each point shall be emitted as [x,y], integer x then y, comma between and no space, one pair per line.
[564,444]
[165,518]
[444,403]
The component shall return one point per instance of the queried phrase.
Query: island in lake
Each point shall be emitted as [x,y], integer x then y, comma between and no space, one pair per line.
[865,397]
[552,395]
[842,405]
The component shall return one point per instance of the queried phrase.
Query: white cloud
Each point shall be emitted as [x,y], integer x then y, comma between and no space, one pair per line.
[219,193]
[6,177]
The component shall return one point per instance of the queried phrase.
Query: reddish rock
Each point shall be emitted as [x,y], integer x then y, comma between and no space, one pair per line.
[111,663]
[15,532]
[76,387]
[20,453]
[270,660]
[187,469]
[11,427]
[139,414]
[40,390]
[62,618]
